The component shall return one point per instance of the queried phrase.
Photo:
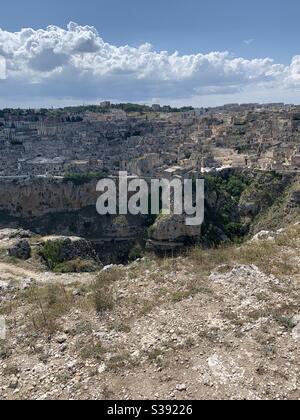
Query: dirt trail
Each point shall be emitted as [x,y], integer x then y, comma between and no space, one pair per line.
[7,271]
[17,273]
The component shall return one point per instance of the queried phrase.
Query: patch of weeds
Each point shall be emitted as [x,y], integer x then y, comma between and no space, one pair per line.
[83,327]
[120,326]
[63,377]
[284,321]
[179,296]
[190,342]
[5,351]
[136,252]
[76,266]
[44,358]
[233,318]
[266,255]
[91,350]
[192,288]
[108,393]
[12,260]
[262,297]
[7,307]
[102,291]
[119,360]
[154,354]
[49,304]
[158,277]
[211,335]
[146,306]
[269,350]
[11,370]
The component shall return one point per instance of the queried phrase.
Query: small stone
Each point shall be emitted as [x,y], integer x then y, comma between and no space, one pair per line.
[296,333]
[13,383]
[181,387]
[63,348]
[295,320]
[101,368]
[62,338]
[3,285]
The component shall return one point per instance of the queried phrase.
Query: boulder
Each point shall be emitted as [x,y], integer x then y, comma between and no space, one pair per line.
[172,228]
[60,249]
[296,320]
[264,235]
[20,250]
[4,285]
[15,234]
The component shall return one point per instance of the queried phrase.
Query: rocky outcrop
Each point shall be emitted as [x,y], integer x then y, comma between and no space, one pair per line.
[295,199]
[70,248]
[173,228]
[33,197]
[237,203]
[296,327]
[170,232]
[15,234]
[20,250]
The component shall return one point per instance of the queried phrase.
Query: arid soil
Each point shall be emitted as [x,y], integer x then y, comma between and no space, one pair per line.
[214,324]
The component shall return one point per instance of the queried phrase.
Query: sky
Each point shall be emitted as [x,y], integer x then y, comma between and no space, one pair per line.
[192,52]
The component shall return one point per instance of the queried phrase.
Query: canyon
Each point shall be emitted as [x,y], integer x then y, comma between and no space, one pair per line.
[51,161]
[144,307]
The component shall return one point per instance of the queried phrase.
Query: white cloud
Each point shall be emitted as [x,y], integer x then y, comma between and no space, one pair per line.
[292,79]
[2,68]
[76,63]
[248,41]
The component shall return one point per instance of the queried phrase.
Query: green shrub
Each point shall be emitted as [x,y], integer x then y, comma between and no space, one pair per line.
[135,253]
[51,254]
[49,304]
[234,229]
[84,178]
[76,266]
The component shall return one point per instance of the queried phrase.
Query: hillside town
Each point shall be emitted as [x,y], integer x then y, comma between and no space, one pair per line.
[149,141]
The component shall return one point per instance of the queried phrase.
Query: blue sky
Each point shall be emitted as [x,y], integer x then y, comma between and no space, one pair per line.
[249,31]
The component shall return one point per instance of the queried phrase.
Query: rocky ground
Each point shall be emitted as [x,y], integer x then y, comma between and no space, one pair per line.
[214,324]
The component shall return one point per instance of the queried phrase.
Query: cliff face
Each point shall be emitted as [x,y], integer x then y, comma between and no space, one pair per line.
[34,197]
[56,207]
[271,201]
[238,203]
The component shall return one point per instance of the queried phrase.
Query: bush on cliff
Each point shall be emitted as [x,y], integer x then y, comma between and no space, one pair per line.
[84,178]
[136,252]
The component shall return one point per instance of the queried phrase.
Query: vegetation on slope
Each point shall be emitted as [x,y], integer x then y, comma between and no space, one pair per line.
[83,178]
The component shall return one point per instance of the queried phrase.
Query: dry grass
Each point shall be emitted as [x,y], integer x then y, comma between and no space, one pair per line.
[5,350]
[47,305]
[103,290]
[91,350]
[122,326]
[268,256]
[77,266]
[120,360]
